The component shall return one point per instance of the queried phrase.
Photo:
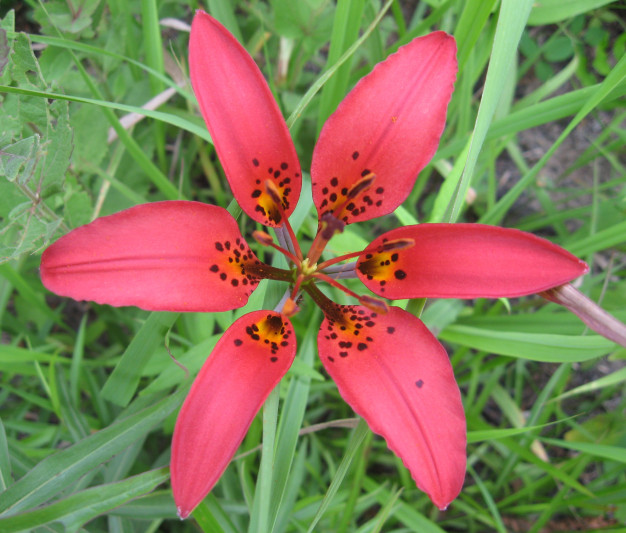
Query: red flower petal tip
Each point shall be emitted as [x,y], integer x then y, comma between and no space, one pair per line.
[388,127]
[250,135]
[163,256]
[394,373]
[465,261]
[246,364]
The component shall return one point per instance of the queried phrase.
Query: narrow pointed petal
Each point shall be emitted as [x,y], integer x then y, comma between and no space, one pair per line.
[164,256]
[389,125]
[396,375]
[465,261]
[248,130]
[245,365]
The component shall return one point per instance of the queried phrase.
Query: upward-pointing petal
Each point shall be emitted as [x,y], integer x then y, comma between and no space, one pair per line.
[164,256]
[248,130]
[389,126]
[246,364]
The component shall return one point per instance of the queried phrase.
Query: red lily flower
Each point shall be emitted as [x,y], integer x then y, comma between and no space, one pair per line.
[187,256]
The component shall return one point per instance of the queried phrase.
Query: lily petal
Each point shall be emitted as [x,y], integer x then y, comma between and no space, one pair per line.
[163,256]
[465,261]
[389,126]
[396,375]
[249,132]
[245,365]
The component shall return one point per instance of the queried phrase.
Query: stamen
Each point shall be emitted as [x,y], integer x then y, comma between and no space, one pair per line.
[331,226]
[396,244]
[362,185]
[264,239]
[374,304]
[274,194]
[336,284]
[290,307]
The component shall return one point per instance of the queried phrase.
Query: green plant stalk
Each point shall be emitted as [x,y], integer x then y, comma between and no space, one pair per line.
[259,519]
[154,58]
[355,486]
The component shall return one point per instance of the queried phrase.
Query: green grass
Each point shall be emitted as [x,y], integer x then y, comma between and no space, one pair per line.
[89,394]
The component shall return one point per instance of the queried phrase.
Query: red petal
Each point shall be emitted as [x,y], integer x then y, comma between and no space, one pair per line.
[249,132]
[397,376]
[388,125]
[164,256]
[465,261]
[246,364]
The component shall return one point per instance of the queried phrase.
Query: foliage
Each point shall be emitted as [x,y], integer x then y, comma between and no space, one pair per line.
[89,393]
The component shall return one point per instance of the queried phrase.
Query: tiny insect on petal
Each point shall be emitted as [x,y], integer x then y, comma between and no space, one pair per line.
[388,128]
[396,375]
[163,256]
[248,130]
[465,261]
[245,365]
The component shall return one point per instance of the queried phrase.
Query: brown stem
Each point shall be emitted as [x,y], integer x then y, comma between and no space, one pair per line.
[589,312]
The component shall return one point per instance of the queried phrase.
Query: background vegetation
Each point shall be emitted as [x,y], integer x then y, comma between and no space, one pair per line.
[535,140]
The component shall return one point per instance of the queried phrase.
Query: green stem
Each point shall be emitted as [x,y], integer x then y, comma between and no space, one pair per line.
[259,519]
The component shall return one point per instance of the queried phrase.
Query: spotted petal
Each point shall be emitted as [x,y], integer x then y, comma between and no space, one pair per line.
[164,256]
[248,130]
[389,126]
[397,376]
[465,261]
[246,364]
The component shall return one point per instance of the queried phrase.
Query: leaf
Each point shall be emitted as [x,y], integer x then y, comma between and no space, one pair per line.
[85,505]
[547,348]
[17,160]
[56,472]
[123,382]
[551,11]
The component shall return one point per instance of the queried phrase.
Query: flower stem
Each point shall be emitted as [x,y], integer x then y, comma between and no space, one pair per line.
[259,516]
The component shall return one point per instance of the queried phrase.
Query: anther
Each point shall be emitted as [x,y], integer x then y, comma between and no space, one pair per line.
[272,190]
[362,185]
[330,226]
[290,307]
[374,304]
[264,239]
[396,244]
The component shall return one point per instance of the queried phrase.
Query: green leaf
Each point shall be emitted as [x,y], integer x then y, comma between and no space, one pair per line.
[611,453]
[551,11]
[55,473]
[85,505]
[511,22]
[18,160]
[123,382]
[547,348]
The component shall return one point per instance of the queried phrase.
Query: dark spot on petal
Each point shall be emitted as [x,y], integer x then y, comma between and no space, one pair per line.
[400,274]
[355,155]
[419,383]
[361,346]
[391,330]
[214,268]
[256,193]
[273,359]
[284,166]
[234,282]
[255,162]
[334,182]
[219,247]
[238,342]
